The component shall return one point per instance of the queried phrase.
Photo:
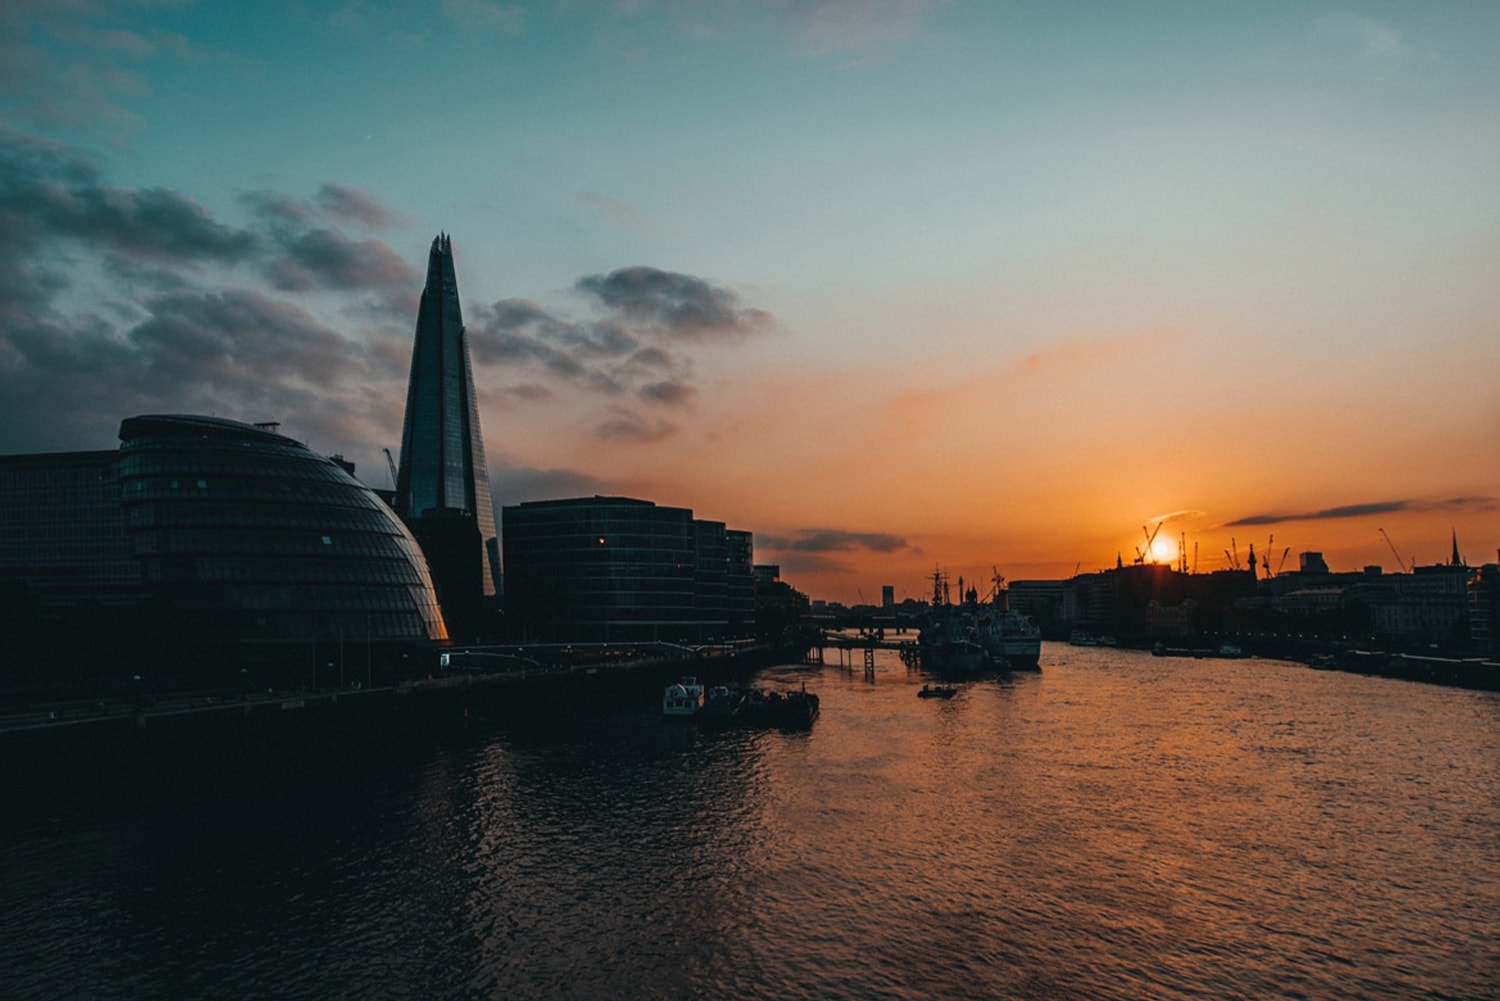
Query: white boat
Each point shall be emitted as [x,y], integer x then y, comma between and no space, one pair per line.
[682,698]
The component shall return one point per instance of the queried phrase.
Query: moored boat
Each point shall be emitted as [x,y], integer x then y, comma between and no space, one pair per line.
[682,698]
[973,636]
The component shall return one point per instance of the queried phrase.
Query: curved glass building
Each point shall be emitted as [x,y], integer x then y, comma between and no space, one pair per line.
[201,547]
[239,528]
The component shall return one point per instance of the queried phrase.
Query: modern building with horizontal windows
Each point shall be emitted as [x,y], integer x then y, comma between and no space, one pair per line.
[201,547]
[621,570]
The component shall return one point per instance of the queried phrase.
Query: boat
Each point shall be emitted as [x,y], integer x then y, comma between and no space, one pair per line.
[682,698]
[790,710]
[937,692]
[721,705]
[972,636]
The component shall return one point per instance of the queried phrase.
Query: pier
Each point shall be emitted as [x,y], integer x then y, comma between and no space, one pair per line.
[864,642]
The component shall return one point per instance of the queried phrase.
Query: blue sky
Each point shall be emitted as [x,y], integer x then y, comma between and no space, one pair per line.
[893,284]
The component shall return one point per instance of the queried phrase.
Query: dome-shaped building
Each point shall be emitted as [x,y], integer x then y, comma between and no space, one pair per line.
[205,546]
[266,540]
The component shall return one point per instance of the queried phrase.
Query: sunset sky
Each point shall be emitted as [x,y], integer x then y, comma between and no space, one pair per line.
[894,284]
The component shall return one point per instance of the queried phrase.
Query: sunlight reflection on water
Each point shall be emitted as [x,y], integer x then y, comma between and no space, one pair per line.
[1119,826]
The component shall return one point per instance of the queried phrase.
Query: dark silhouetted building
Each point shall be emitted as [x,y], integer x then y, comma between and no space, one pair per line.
[620,570]
[442,486]
[202,546]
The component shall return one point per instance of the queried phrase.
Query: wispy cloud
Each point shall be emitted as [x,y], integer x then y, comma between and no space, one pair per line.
[919,411]
[1367,509]
[832,540]
[625,425]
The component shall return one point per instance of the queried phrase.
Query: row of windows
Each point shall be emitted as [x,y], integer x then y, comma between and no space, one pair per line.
[207,541]
[252,597]
[255,567]
[188,466]
[254,489]
[236,515]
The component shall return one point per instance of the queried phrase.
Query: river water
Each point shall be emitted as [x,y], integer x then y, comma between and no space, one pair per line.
[1118,826]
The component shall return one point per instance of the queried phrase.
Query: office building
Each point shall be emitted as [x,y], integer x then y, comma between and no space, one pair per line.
[619,570]
[442,485]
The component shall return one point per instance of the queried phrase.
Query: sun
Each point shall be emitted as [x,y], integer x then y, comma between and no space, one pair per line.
[1163,551]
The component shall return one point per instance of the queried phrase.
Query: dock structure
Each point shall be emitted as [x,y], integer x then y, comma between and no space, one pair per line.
[865,642]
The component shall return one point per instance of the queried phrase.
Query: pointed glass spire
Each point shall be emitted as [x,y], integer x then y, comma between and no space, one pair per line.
[442,470]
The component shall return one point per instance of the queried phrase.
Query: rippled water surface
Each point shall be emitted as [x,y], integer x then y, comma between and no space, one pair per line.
[1119,826]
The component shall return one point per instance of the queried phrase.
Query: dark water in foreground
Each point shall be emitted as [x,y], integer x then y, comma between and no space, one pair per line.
[1120,826]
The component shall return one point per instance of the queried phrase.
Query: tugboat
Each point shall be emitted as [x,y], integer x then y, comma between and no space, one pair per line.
[973,636]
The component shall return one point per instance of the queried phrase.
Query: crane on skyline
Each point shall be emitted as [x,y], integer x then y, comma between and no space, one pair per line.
[1399,561]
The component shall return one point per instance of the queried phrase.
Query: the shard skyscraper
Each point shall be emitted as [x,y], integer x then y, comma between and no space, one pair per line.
[442,487]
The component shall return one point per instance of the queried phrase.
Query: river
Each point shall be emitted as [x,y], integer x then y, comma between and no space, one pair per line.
[1118,826]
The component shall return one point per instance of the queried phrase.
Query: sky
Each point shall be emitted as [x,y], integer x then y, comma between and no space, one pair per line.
[896,285]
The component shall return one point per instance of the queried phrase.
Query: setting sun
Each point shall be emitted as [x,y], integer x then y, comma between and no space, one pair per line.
[1164,550]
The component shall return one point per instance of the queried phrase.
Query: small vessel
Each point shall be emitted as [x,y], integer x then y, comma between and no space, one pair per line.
[721,705]
[937,692]
[791,710]
[682,698]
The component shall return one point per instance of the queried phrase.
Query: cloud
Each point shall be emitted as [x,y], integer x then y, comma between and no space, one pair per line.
[630,427]
[669,392]
[48,192]
[1185,513]
[640,341]
[1371,508]
[118,301]
[326,259]
[674,305]
[64,64]
[829,540]
[626,425]
[351,205]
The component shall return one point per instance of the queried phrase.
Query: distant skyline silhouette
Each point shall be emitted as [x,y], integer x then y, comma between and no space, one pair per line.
[895,286]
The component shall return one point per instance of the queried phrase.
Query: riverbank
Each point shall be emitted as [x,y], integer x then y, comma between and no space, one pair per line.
[48,743]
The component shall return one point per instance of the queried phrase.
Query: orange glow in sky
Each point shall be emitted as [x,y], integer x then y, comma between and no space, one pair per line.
[893,286]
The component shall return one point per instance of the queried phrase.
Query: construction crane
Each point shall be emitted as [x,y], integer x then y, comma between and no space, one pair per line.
[1399,561]
[1233,554]
[1282,562]
[390,465]
[1146,555]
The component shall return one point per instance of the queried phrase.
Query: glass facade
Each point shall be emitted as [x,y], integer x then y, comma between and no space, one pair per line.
[244,529]
[443,475]
[616,570]
[62,539]
[199,541]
